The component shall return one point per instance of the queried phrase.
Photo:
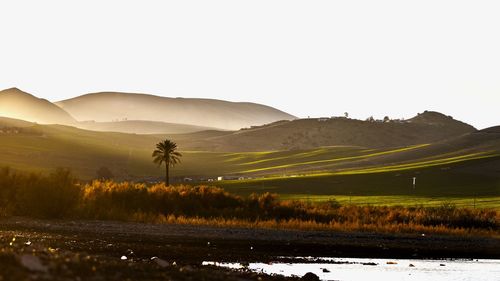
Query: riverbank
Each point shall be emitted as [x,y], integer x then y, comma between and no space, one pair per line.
[120,250]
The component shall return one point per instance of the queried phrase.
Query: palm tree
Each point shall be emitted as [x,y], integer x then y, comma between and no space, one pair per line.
[166,151]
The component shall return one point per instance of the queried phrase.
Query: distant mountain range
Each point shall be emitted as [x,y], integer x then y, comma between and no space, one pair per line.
[38,135]
[109,106]
[204,124]
[17,104]
[138,113]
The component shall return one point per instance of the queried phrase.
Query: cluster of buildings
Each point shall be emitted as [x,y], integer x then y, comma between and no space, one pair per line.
[10,130]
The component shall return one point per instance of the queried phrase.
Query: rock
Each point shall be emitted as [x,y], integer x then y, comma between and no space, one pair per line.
[186,268]
[391,262]
[33,263]
[442,264]
[310,277]
[411,265]
[325,270]
[160,262]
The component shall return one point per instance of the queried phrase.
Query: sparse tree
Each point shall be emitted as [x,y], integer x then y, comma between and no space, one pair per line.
[346,114]
[104,173]
[166,151]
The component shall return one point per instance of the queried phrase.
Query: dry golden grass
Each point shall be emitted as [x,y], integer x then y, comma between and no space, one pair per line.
[59,195]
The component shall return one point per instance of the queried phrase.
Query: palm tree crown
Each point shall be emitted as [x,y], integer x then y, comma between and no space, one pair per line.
[166,152]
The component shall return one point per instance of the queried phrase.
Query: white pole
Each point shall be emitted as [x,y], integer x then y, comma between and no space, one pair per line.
[414,182]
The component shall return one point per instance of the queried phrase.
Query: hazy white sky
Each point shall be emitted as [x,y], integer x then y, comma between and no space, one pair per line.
[317,58]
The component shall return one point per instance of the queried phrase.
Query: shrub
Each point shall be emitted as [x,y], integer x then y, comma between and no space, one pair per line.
[53,196]
[59,195]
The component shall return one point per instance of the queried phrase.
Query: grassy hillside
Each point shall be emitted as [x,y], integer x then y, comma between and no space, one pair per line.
[428,127]
[442,180]
[42,148]
[464,170]
[463,167]
[108,106]
[15,103]
[130,155]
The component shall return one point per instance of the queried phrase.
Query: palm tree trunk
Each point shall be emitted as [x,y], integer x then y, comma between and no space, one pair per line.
[167,181]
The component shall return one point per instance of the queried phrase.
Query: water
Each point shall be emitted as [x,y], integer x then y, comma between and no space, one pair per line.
[354,269]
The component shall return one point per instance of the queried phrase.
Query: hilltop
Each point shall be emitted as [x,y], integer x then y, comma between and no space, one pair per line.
[427,127]
[17,104]
[112,106]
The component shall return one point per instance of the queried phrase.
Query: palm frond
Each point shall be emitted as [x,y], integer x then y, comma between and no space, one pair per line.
[166,151]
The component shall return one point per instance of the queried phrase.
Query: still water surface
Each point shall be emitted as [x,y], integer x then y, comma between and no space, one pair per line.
[354,269]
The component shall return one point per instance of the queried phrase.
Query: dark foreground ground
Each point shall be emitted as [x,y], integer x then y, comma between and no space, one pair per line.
[103,250]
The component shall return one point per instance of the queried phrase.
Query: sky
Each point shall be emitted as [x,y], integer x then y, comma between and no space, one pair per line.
[308,58]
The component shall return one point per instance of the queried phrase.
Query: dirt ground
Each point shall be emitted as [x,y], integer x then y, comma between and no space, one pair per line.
[32,249]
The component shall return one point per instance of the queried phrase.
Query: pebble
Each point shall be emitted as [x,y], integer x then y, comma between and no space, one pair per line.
[33,263]
[160,262]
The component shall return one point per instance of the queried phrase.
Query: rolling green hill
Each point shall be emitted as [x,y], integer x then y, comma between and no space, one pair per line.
[371,162]
[428,127]
[460,167]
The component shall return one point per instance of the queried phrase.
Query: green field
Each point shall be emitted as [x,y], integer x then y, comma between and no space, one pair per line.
[348,174]
[469,202]
[463,183]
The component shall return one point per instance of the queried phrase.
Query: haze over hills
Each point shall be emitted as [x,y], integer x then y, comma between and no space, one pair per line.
[428,127]
[111,106]
[17,104]
[6,122]
[141,127]
[137,113]
[300,146]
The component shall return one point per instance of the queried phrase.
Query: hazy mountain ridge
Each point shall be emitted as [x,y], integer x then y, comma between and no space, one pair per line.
[136,113]
[17,104]
[112,106]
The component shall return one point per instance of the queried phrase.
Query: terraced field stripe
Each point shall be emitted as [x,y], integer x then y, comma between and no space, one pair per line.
[364,156]
[425,164]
